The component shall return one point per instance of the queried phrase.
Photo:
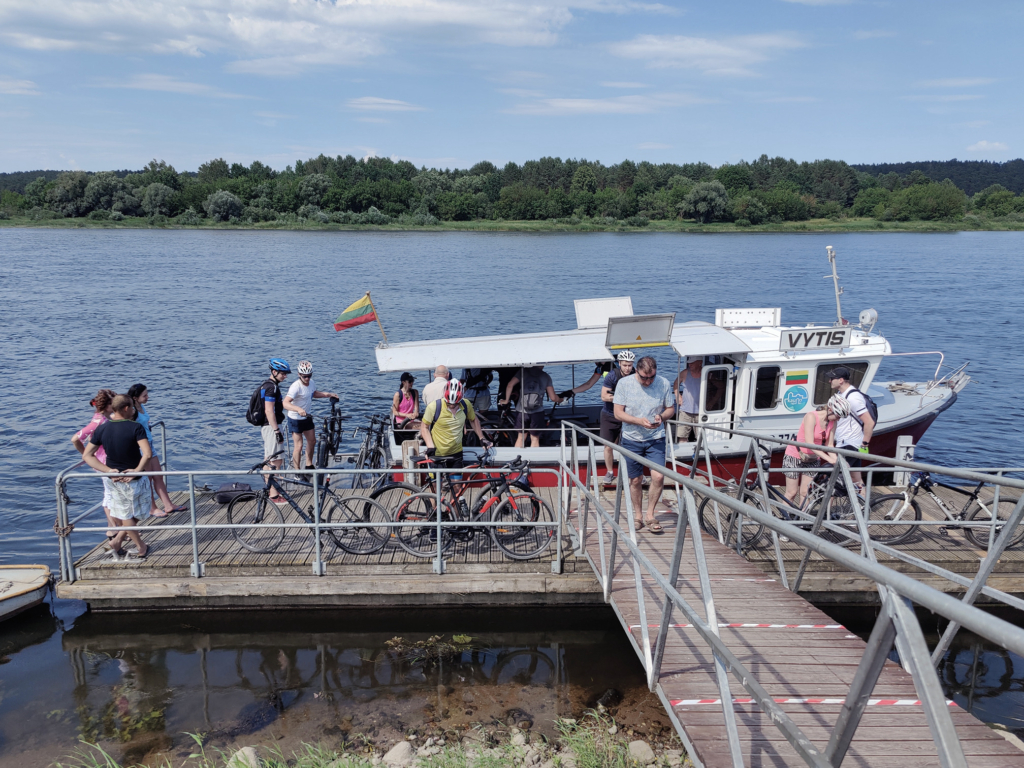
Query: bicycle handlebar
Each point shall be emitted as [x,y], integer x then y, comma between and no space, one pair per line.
[257,467]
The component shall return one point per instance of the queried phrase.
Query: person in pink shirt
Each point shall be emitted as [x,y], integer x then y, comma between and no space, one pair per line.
[817,427]
[102,402]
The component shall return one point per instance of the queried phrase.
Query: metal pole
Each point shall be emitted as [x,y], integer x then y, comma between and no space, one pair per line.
[439,560]
[318,563]
[197,568]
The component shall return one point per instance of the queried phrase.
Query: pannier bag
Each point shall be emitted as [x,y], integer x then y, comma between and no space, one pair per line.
[229,491]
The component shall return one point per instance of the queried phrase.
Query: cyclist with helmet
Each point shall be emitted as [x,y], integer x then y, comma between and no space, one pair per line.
[611,428]
[444,422]
[273,405]
[297,402]
[853,432]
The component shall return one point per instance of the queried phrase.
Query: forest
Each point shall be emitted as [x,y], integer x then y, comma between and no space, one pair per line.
[380,191]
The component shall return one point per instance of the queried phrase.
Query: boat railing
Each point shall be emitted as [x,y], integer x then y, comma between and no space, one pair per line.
[610,524]
[197,481]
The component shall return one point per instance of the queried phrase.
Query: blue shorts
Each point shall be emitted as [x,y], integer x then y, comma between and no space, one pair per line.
[298,426]
[652,450]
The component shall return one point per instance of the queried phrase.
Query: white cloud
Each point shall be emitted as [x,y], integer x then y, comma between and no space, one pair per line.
[653,145]
[872,34]
[959,82]
[942,98]
[274,38]
[625,85]
[988,146]
[168,84]
[382,120]
[17,87]
[725,56]
[618,105]
[377,104]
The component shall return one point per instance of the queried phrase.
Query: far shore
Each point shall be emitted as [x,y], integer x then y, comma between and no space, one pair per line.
[813,225]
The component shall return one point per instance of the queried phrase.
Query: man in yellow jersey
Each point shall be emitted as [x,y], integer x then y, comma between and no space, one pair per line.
[444,422]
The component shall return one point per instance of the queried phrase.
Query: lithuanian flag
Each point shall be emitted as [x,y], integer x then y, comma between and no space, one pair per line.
[792,377]
[355,314]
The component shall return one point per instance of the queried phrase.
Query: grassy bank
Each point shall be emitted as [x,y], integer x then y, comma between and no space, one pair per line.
[594,743]
[551,225]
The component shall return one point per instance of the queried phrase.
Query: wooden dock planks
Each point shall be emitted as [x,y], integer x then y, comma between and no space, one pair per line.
[794,662]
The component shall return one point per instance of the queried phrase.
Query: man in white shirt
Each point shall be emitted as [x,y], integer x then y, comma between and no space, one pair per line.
[435,390]
[854,431]
[297,403]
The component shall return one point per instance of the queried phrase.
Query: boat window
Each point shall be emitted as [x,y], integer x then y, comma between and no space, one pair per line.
[766,388]
[714,392]
[822,390]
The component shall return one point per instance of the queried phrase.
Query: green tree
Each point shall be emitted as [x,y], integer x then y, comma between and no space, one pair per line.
[521,203]
[455,206]
[35,191]
[930,202]
[223,206]
[214,170]
[707,201]
[312,188]
[750,208]
[996,200]
[584,180]
[735,178]
[65,195]
[483,168]
[12,202]
[155,171]
[868,200]
[156,200]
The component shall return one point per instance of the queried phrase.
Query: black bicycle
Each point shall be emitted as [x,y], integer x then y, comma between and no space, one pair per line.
[373,454]
[502,501]
[261,519]
[329,442]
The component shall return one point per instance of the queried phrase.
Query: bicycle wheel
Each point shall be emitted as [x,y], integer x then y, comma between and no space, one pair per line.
[392,495]
[255,509]
[523,542]
[357,509]
[981,511]
[753,532]
[840,512]
[892,506]
[421,539]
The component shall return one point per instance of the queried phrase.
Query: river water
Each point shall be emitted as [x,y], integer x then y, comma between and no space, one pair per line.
[196,315]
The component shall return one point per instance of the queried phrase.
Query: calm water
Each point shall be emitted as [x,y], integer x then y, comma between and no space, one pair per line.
[195,315]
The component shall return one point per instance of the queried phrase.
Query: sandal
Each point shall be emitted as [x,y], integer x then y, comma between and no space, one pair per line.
[655,526]
[143,556]
[159,513]
[638,524]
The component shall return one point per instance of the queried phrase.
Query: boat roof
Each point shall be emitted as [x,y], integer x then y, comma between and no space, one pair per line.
[549,348]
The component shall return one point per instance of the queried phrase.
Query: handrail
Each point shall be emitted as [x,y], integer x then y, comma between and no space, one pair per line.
[896,622]
[942,358]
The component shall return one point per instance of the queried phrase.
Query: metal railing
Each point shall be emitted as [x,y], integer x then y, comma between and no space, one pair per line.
[896,625]
[66,526]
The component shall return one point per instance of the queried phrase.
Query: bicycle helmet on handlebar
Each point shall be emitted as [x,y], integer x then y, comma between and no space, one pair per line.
[839,406]
[305,368]
[277,364]
[625,356]
[453,392]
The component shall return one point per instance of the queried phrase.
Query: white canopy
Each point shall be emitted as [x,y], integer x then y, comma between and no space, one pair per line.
[696,338]
[520,349]
[551,348]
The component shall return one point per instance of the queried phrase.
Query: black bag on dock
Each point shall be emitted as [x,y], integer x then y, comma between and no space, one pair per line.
[229,491]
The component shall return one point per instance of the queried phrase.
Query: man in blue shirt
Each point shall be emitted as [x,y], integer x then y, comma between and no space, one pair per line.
[642,403]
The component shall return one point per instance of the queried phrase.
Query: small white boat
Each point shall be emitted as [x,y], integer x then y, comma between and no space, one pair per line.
[22,587]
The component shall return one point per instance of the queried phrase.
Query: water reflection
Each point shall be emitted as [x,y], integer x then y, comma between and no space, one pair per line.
[140,683]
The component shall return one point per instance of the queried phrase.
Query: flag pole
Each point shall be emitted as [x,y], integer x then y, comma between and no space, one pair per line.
[377,317]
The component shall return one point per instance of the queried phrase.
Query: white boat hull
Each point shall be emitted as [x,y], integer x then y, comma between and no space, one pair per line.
[22,587]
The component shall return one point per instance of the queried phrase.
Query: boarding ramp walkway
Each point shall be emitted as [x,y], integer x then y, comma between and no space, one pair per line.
[749,672]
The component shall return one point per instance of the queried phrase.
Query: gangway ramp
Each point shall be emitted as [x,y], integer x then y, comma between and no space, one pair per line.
[805,661]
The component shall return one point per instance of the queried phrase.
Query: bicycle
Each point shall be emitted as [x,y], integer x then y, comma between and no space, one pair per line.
[329,441]
[372,453]
[904,506]
[503,502]
[255,509]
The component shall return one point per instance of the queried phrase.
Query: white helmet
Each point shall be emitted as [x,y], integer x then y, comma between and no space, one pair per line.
[839,406]
[305,368]
[625,356]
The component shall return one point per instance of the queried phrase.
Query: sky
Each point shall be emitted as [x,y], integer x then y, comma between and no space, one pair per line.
[111,84]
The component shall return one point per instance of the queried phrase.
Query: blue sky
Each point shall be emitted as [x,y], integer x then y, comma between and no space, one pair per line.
[98,84]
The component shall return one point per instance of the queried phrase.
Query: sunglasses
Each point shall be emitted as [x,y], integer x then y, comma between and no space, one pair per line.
[305,375]
[646,378]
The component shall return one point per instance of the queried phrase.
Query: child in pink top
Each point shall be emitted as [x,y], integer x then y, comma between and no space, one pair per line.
[102,402]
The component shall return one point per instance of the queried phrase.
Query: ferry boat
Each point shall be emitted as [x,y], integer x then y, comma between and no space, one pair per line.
[759,374]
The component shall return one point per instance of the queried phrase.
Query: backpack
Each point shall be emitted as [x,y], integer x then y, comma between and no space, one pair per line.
[871,406]
[256,413]
[533,393]
[230,491]
[437,413]
[480,380]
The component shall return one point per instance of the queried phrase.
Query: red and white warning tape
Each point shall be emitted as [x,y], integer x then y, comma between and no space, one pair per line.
[871,702]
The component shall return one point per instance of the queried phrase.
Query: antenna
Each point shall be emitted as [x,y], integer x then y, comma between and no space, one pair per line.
[835,283]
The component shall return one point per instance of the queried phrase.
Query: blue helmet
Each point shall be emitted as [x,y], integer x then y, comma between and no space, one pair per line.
[277,364]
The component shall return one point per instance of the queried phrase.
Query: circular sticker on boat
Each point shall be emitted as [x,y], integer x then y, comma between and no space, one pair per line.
[795,399]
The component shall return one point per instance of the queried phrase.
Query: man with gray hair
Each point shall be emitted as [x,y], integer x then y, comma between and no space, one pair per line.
[643,402]
[435,389]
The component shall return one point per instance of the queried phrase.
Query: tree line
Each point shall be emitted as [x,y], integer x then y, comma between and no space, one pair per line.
[376,190]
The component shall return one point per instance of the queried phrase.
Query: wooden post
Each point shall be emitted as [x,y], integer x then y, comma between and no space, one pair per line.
[377,317]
